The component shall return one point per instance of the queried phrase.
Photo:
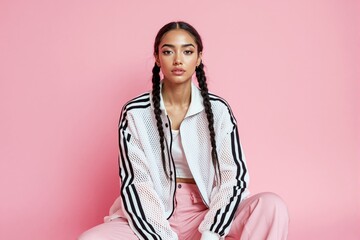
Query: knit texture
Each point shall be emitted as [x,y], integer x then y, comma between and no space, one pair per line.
[148,195]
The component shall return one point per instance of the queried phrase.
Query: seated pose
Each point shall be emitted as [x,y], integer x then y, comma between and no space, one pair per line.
[182,167]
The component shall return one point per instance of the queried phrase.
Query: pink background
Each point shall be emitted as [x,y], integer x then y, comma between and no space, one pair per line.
[290,70]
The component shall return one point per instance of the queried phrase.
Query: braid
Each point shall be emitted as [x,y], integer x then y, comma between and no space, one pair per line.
[157,110]
[200,75]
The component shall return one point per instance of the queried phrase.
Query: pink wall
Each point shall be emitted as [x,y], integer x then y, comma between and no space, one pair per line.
[290,71]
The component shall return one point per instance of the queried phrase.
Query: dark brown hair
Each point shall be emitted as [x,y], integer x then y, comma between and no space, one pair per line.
[200,75]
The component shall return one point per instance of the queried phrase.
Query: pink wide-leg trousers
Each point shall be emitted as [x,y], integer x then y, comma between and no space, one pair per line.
[262,216]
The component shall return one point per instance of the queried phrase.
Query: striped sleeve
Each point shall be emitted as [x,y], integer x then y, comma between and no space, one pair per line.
[142,206]
[228,194]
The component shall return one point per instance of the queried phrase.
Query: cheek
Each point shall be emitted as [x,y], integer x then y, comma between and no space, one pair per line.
[166,60]
[192,61]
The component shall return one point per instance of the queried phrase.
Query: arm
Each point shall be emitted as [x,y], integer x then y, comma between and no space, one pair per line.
[227,195]
[142,206]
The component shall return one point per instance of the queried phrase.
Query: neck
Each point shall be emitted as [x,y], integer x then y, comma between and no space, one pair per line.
[177,95]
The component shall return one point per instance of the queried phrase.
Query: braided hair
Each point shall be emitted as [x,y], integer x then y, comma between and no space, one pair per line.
[200,75]
[157,110]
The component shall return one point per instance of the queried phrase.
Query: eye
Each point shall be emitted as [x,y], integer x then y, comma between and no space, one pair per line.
[188,52]
[166,52]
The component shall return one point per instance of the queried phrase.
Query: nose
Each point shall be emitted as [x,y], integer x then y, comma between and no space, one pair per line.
[177,60]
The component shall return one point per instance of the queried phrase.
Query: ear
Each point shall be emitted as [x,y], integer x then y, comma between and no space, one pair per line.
[199,59]
[157,61]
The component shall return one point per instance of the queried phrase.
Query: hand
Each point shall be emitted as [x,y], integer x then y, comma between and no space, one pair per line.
[208,235]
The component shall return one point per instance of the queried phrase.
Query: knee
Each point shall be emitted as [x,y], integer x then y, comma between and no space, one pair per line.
[89,235]
[83,237]
[274,204]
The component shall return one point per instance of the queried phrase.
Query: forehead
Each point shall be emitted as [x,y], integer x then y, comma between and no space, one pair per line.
[177,37]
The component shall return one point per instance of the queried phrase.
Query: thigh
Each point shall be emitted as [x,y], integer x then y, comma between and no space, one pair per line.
[114,230]
[261,216]
[189,212]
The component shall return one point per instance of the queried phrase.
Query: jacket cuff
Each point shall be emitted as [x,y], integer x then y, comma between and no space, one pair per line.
[208,235]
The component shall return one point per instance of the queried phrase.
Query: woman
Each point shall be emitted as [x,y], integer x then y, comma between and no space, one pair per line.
[182,169]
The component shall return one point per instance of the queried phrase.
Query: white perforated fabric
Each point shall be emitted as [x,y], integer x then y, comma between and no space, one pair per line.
[148,195]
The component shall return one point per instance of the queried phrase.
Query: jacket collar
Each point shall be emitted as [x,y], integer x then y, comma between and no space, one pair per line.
[196,104]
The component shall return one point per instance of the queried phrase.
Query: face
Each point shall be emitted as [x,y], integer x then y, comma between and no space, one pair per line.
[178,56]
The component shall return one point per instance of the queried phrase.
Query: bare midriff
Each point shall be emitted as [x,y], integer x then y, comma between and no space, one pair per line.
[185,180]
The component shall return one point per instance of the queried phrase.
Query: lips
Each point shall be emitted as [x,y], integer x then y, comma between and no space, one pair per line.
[178,71]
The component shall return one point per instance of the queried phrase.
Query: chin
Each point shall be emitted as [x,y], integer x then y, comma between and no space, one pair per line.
[178,80]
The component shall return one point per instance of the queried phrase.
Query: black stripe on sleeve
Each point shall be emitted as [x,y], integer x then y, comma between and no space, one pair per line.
[231,207]
[129,194]
[132,201]
[144,98]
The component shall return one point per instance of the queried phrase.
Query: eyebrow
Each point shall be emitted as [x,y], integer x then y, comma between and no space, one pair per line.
[173,46]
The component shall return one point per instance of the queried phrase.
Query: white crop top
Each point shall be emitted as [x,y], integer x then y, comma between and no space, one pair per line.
[181,165]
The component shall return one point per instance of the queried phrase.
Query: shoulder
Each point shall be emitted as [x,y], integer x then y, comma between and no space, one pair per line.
[141,101]
[221,108]
[135,106]
[219,102]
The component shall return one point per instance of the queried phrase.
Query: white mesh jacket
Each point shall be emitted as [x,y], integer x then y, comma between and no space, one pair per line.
[147,194]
